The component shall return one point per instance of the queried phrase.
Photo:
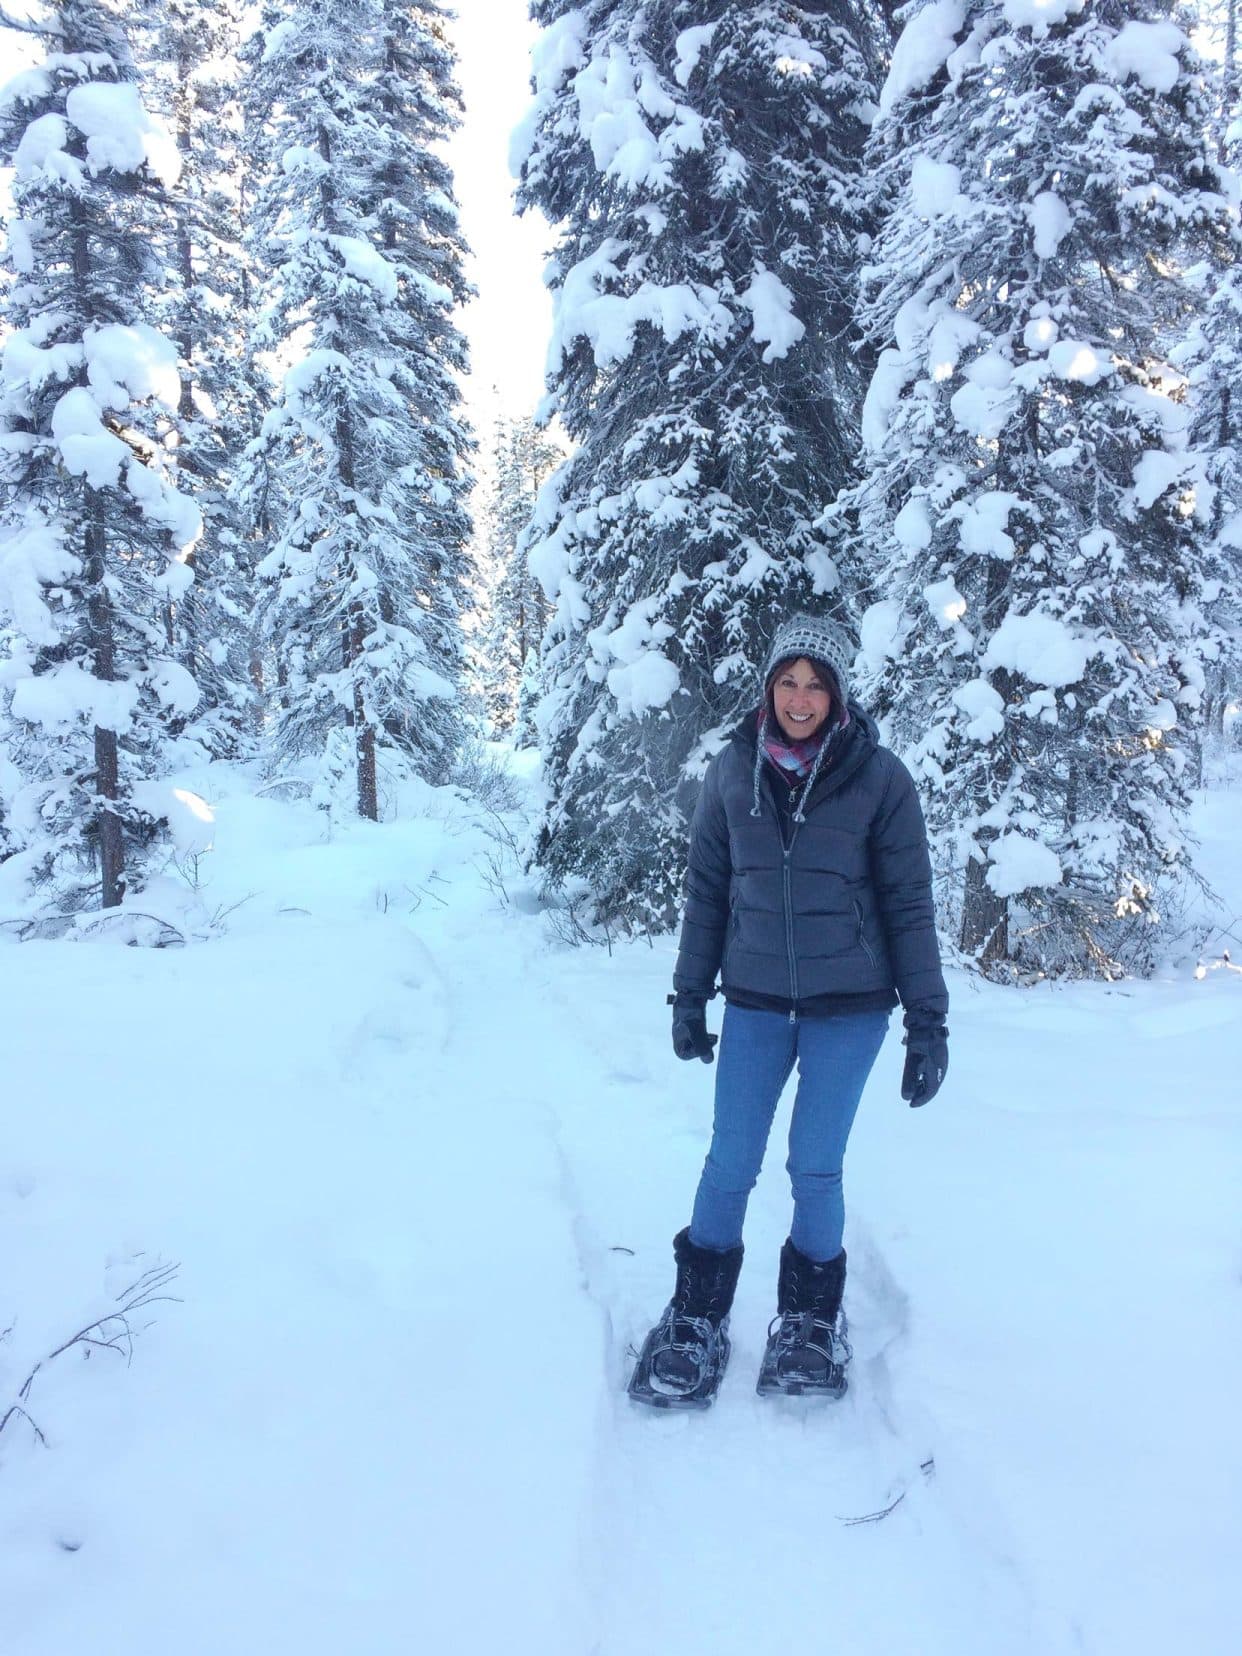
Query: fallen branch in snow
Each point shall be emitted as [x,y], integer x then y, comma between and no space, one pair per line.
[927,1468]
[166,935]
[876,1517]
[297,782]
[37,927]
[113,1331]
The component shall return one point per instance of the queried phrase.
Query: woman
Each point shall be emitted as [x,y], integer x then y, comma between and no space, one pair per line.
[809,893]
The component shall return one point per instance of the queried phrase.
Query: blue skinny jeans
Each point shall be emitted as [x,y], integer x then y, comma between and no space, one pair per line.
[757,1053]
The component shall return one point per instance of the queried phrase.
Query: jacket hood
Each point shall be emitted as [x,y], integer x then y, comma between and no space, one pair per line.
[850,750]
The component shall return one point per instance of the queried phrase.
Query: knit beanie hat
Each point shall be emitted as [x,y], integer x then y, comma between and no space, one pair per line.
[817,638]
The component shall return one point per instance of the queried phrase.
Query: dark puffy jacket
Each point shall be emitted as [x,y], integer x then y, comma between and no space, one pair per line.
[792,913]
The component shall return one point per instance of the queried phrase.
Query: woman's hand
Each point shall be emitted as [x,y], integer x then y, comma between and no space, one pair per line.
[927,1058]
[690,1037]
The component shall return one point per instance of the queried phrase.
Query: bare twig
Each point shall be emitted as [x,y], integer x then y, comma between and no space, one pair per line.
[568,924]
[17,1409]
[499,829]
[222,914]
[423,892]
[113,1331]
[491,871]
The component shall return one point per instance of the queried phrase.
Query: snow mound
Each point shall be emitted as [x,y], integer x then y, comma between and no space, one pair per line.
[1040,647]
[1149,52]
[1039,15]
[922,50]
[644,685]
[771,306]
[1071,359]
[984,708]
[1050,222]
[1016,864]
[131,363]
[1155,472]
[945,602]
[120,134]
[689,47]
[881,634]
[366,263]
[912,526]
[935,186]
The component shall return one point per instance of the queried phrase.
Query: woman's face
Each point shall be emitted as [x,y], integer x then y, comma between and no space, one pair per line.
[801,699]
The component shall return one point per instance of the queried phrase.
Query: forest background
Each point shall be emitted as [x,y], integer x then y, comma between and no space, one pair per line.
[343,705]
[926,317]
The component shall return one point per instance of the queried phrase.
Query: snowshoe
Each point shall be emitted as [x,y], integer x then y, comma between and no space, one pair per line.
[805,1354]
[683,1358]
[682,1363]
[808,1349]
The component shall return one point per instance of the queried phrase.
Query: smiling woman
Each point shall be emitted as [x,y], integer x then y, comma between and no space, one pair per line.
[809,898]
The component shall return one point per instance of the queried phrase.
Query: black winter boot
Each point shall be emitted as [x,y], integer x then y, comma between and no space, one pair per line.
[684,1356]
[807,1347]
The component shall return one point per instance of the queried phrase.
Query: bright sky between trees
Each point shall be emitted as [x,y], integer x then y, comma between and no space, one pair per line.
[509,322]
[508,325]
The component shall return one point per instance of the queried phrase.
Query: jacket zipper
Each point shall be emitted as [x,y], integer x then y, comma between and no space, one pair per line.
[789,930]
[834,781]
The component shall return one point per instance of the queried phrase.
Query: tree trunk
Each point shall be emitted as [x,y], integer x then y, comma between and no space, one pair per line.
[1230,110]
[100,635]
[354,637]
[364,742]
[185,324]
[103,666]
[985,918]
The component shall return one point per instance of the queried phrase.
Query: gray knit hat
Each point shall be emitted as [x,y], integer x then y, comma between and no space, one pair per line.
[819,639]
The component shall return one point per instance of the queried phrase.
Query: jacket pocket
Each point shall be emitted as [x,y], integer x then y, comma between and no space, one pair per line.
[730,934]
[862,935]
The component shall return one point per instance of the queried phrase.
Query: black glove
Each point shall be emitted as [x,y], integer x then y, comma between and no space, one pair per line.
[927,1059]
[690,1037]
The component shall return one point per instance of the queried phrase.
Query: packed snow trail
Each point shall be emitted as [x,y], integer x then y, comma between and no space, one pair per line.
[421,1167]
[765,1514]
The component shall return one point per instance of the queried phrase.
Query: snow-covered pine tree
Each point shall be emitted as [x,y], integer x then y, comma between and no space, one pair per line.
[1040,647]
[523,455]
[701,162]
[93,533]
[194,73]
[361,466]
[1212,360]
[1215,364]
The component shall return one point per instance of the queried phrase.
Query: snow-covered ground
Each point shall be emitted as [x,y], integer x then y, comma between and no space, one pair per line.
[419,1164]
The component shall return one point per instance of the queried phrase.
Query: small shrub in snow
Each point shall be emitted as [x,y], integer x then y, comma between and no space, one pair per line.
[483,775]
